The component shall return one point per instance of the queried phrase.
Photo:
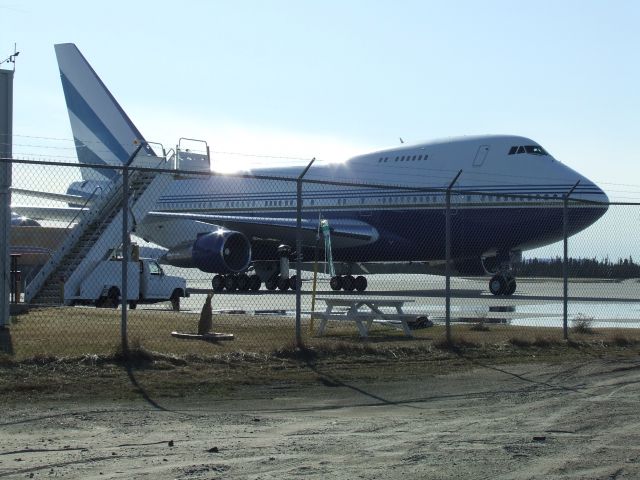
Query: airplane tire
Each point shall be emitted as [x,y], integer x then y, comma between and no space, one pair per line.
[283,283]
[254,283]
[511,286]
[243,282]
[361,283]
[217,283]
[336,283]
[133,305]
[231,283]
[348,283]
[272,282]
[497,285]
[293,282]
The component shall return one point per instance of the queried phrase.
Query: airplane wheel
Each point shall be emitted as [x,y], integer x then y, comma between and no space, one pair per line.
[336,283]
[243,282]
[293,282]
[497,284]
[511,286]
[283,283]
[231,282]
[348,283]
[272,282]
[361,283]
[217,283]
[254,283]
[133,305]
[175,301]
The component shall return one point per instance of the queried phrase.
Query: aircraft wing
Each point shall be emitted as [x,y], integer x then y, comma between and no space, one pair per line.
[344,232]
[58,197]
[63,214]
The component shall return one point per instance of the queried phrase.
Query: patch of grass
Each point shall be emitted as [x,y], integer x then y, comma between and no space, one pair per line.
[582,324]
[479,327]
[457,344]
[520,342]
[622,341]
[545,342]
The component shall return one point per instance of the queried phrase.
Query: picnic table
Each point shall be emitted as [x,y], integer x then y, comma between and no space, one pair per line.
[363,311]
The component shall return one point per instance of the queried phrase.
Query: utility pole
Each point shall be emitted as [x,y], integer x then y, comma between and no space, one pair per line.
[6,134]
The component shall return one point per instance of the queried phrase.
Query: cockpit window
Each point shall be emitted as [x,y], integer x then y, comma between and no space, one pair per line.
[535,150]
[531,149]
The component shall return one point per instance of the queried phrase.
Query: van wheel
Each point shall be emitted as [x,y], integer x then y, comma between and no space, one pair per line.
[113,296]
[175,300]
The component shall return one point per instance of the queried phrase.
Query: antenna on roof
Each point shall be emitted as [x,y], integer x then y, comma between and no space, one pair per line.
[11,58]
[401,140]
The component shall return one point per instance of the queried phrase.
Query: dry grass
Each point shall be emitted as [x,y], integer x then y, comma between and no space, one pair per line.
[71,352]
[68,332]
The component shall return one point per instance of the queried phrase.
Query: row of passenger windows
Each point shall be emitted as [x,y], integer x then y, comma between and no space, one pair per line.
[383,200]
[532,149]
[404,158]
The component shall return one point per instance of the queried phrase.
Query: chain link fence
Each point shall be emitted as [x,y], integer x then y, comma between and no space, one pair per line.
[277,262]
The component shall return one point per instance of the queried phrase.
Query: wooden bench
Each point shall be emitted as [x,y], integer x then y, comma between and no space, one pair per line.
[364,318]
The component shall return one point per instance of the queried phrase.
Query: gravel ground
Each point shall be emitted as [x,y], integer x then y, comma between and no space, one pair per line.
[525,421]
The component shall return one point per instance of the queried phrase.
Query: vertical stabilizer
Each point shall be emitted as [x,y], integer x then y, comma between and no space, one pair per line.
[102,131]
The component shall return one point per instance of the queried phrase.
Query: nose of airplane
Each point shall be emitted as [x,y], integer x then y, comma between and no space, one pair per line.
[588,203]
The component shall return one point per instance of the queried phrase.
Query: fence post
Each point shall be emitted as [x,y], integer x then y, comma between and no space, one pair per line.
[448,257]
[125,250]
[565,262]
[125,259]
[6,126]
[299,252]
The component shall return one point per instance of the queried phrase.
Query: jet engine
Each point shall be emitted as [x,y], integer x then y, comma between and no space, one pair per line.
[221,251]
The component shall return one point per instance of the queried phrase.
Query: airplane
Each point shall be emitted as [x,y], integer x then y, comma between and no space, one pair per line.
[507,199]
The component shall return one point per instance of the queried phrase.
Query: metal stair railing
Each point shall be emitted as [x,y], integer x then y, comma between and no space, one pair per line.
[146,187]
[99,231]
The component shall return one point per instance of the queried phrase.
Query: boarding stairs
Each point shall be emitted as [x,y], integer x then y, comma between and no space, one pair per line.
[98,232]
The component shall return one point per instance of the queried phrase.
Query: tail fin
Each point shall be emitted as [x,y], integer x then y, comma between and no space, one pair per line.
[102,132]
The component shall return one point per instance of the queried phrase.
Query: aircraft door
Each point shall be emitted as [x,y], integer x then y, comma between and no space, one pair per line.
[481,155]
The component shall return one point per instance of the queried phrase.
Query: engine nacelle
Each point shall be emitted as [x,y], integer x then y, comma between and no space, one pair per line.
[221,251]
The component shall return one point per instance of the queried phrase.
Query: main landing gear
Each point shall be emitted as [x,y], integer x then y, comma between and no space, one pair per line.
[348,283]
[502,284]
[240,281]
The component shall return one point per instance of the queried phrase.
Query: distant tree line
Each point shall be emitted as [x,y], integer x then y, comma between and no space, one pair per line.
[579,267]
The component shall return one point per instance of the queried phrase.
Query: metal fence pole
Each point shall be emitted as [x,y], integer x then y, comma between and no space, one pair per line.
[6,126]
[299,253]
[125,249]
[125,258]
[565,262]
[448,258]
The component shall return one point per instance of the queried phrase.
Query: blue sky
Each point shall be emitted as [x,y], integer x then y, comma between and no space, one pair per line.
[331,79]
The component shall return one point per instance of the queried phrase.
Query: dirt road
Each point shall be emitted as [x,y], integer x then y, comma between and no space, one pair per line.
[530,421]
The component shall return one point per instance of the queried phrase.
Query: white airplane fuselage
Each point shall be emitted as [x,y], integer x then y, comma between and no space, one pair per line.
[513,202]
